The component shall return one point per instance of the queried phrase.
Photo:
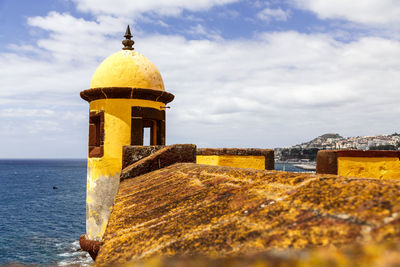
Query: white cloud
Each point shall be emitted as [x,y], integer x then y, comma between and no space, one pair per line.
[25,113]
[160,7]
[199,31]
[371,12]
[75,38]
[279,88]
[285,82]
[61,63]
[269,14]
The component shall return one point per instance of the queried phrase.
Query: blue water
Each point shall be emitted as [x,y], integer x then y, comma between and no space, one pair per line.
[41,225]
[38,224]
[288,167]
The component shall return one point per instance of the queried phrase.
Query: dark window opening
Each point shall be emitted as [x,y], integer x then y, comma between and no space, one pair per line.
[148,126]
[96,134]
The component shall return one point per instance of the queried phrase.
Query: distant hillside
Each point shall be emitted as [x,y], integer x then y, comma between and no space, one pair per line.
[308,151]
[325,140]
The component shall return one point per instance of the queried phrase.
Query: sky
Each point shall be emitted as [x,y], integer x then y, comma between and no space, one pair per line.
[244,73]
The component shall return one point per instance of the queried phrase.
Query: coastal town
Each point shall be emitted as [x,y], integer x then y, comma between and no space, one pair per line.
[307,152]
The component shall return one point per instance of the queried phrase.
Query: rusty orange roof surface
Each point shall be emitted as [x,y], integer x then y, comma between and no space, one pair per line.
[191,209]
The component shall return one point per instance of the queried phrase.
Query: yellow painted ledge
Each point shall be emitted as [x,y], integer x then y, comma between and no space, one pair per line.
[369,167]
[254,162]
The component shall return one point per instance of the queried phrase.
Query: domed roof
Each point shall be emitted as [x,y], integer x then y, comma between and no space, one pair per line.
[127,74]
[127,68]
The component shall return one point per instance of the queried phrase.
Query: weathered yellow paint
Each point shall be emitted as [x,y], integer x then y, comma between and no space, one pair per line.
[254,162]
[383,168]
[117,132]
[103,173]
[207,160]
[127,68]
[89,200]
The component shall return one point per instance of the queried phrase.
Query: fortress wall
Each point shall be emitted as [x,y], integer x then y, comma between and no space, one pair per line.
[261,159]
[359,163]
[192,209]
[158,157]
[132,154]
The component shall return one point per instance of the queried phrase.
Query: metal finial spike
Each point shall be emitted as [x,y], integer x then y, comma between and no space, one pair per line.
[128,43]
[128,34]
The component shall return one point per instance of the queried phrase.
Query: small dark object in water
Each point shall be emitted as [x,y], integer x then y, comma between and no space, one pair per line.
[55,187]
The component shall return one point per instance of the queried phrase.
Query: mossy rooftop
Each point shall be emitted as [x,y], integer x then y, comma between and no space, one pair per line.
[214,211]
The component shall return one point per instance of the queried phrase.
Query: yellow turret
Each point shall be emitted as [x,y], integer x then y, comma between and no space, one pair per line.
[126,96]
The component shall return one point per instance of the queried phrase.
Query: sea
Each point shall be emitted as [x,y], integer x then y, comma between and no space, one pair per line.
[42,211]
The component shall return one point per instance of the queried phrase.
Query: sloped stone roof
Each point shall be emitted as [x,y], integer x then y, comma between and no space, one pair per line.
[191,209]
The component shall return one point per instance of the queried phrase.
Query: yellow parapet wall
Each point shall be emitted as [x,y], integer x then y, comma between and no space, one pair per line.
[254,162]
[382,168]
[357,163]
[260,159]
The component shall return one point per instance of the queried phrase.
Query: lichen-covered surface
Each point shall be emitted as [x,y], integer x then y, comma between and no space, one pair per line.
[190,209]
[383,255]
